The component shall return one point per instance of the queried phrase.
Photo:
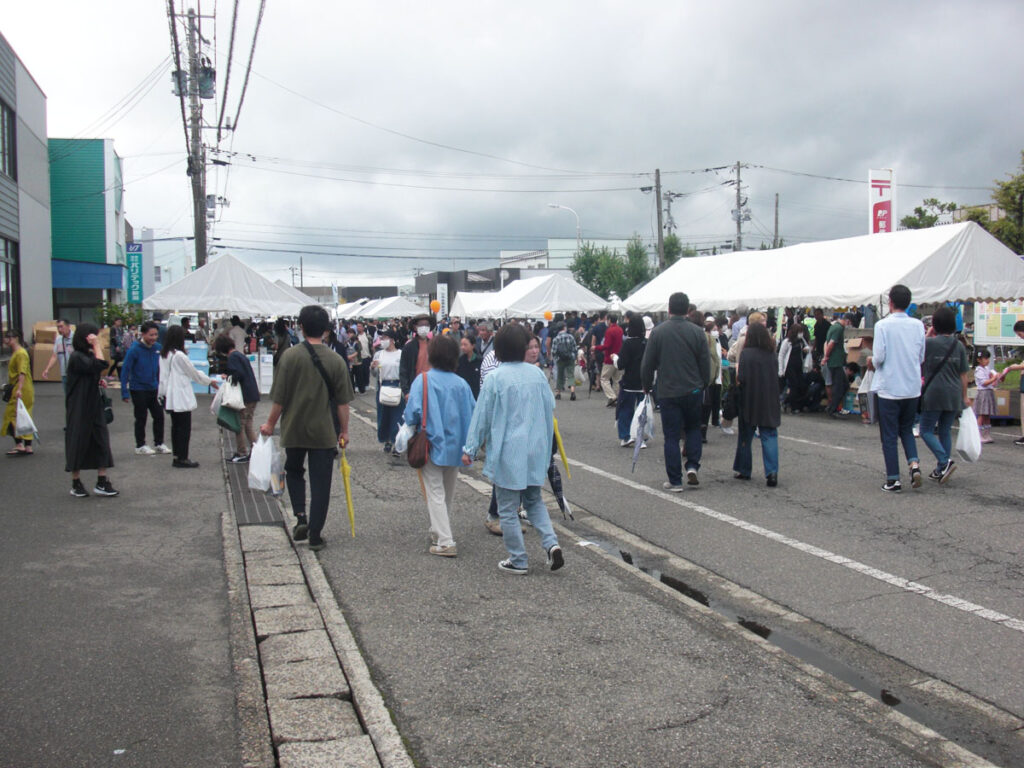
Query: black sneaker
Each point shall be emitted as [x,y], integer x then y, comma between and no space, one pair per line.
[935,475]
[105,488]
[317,544]
[947,470]
[915,477]
[239,458]
[300,532]
[78,490]
[572,396]
[1019,441]
[555,559]
[893,486]
[184,464]
[558,395]
[691,477]
[387,447]
[507,567]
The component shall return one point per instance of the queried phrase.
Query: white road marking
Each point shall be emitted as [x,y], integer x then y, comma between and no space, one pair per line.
[906,585]
[811,442]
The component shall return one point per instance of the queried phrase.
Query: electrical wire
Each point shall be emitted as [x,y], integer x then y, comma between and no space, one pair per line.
[862,181]
[227,71]
[175,46]
[248,67]
[114,186]
[489,257]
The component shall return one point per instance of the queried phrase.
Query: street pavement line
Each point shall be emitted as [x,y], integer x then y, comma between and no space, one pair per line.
[811,442]
[906,585]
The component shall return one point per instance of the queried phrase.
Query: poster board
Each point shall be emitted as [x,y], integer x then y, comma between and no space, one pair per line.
[993,322]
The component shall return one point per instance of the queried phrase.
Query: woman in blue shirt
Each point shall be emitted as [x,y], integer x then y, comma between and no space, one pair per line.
[449,408]
[514,420]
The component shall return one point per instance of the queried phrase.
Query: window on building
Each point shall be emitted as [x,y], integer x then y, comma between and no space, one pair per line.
[10,289]
[7,146]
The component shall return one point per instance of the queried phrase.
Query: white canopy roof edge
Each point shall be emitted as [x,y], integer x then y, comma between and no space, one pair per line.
[470,304]
[533,296]
[956,262]
[394,306]
[225,285]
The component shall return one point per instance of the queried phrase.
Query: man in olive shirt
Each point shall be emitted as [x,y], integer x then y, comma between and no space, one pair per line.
[835,361]
[301,400]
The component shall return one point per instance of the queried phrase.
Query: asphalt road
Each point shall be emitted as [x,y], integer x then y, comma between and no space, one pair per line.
[594,666]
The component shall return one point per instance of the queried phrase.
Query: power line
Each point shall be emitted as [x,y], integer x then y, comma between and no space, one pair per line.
[248,67]
[227,71]
[862,181]
[348,255]
[172,18]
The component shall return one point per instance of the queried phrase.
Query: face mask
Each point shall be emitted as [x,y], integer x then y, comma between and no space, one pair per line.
[385,343]
[422,331]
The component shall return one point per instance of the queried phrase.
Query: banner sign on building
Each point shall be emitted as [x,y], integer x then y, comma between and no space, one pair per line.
[134,259]
[442,297]
[881,201]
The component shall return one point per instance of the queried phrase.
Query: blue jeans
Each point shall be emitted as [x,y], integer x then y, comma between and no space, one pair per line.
[388,418]
[743,463]
[628,402]
[536,513]
[936,431]
[896,425]
[681,415]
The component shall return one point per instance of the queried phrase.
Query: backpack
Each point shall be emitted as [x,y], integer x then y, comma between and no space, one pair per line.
[564,347]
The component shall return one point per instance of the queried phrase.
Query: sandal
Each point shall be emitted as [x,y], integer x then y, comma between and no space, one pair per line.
[17,452]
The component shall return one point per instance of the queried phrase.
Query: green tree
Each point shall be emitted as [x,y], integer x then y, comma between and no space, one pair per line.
[927,214]
[768,246]
[107,312]
[637,268]
[586,264]
[1009,195]
[675,250]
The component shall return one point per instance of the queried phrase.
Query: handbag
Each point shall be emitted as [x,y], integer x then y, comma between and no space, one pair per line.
[924,388]
[233,397]
[108,408]
[419,446]
[8,391]
[390,395]
[229,419]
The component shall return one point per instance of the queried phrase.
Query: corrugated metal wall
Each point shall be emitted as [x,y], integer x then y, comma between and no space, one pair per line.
[8,187]
[78,219]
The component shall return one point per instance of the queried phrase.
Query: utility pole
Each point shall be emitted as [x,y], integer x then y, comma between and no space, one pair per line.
[302,281]
[739,211]
[293,270]
[661,232]
[775,239]
[197,158]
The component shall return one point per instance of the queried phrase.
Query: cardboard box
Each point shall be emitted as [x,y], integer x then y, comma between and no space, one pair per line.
[41,354]
[1003,399]
[858,350]
[44,332]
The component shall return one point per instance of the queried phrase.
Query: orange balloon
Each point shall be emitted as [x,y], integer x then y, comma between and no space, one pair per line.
[548,315]
[435,306]
[446,331]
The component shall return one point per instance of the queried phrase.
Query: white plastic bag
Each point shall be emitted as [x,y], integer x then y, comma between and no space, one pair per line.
[578,375]
[402,438]
[968,442]
[261,464]
[644,405]
[232,397]
[277,479]
[217,401]
[23,424]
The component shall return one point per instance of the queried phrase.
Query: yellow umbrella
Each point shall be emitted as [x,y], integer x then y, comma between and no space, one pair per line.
[346,476]
[561,450]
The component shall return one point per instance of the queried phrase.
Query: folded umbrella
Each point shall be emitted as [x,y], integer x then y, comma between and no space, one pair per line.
[346,477]
[561,450]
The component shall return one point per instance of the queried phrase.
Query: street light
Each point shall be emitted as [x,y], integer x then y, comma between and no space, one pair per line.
[578,230]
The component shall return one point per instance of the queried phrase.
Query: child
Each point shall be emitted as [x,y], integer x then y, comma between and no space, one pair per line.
[985,401]
[1018,328]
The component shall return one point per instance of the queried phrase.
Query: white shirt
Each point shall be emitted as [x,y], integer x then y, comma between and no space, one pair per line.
[176,376]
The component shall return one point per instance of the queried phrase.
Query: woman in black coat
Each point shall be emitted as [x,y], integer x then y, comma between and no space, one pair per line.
[87,441]
[630,357]
[758,381]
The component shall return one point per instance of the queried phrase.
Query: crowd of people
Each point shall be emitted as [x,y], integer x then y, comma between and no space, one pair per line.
[478,389]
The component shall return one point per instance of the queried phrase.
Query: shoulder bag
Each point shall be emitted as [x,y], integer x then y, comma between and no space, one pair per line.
[419,446]
[924,388]
[330,390]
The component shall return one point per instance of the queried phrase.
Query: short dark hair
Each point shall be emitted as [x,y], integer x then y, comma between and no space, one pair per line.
[443,353]
[65,321]
[1018,326]
[678,304]
[899,295]
[235,320]
[636,328]
[984,354]
[223,344]
[510,343]
[313,320]
[147,326]
[944,320]
[758,337]
[14,333]
[78,340]
[185,322]
[173,340]
[853,368]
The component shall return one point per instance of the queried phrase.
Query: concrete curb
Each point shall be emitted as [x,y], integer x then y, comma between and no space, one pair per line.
[252,718]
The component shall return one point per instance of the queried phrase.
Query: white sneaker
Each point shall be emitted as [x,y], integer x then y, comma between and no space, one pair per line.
[144,450]
[917,430]
[162,449]
[643,444]
[728,430]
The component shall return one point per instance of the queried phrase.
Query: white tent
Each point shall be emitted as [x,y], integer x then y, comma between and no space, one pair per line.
[533,296]
[955,262]
[352,308]
[295,293]
[225,285]
[394,306]
[470,304]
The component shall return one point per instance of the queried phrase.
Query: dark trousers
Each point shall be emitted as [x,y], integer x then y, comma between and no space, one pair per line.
[388,417]
[181,433]
[145,402]
[628,401]
[840,385]
[679,416]
[321,469]
[712,406]
[896,425]
[362,372]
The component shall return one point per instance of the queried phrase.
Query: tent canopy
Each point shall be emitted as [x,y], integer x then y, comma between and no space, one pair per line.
[295,293]
[395,306]
[225,285]
[955,262]
[470,304]
[533,296]
[352,308]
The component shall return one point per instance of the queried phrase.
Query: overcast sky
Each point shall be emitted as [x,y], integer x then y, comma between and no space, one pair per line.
[439,132]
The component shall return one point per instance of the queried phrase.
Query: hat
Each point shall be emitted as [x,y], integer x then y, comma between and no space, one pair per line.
[388,332]
[420,318]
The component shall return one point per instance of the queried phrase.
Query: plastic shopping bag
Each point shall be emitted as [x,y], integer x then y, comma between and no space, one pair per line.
[218,401]
[968,442]
[402,438]
[643,420]
[261,464]
[579,376]
[23,424]
[276,472]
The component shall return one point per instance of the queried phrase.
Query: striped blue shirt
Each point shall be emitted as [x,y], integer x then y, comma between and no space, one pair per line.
[514,420]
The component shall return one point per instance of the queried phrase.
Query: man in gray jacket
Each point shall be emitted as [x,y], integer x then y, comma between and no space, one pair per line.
[677,351]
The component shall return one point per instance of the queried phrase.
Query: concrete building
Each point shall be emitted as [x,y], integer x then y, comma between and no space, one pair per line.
[26,295]
[87,226]
[558,255]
